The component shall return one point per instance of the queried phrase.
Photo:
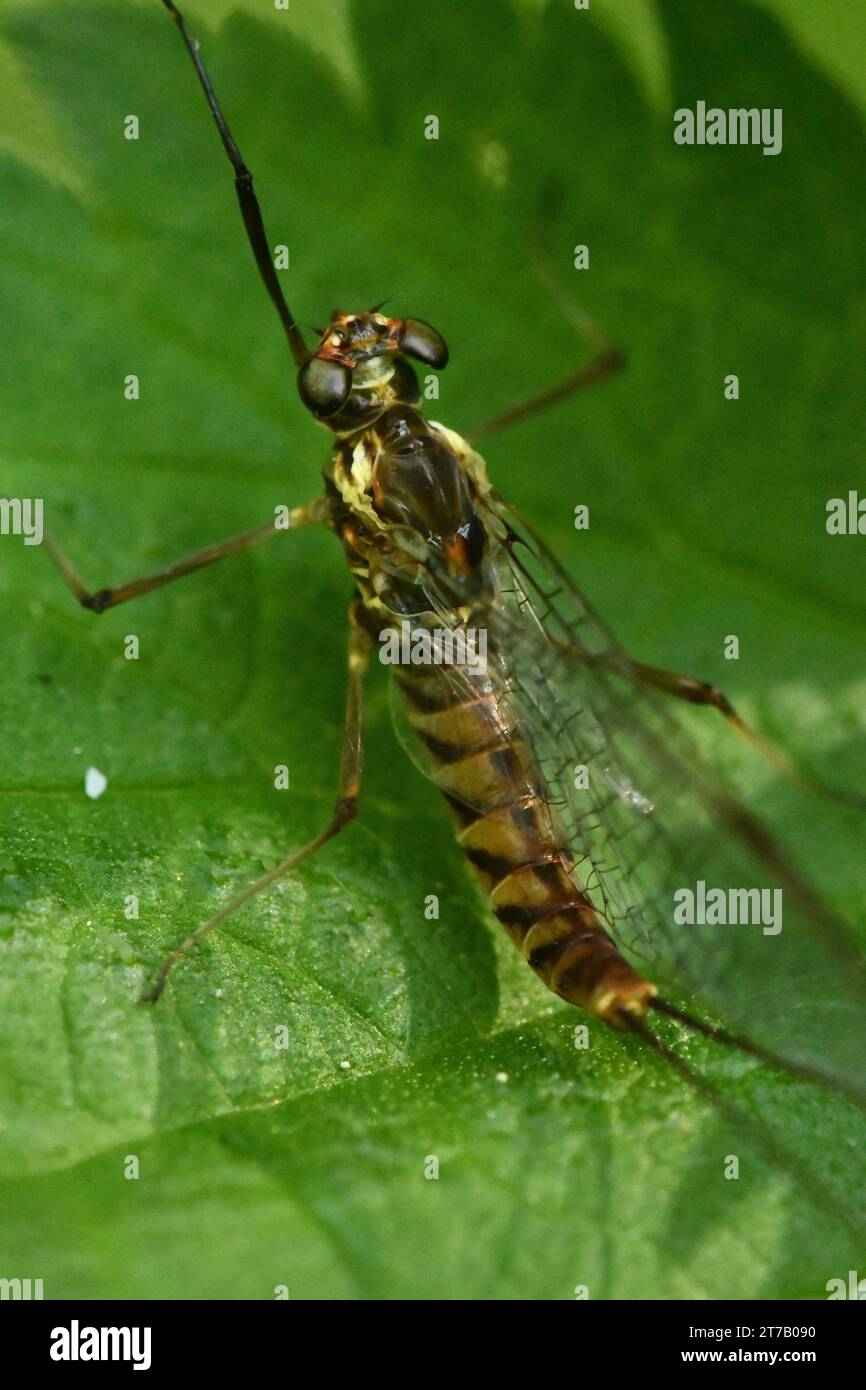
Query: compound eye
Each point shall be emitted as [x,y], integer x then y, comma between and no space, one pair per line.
[421,341]
[324,386]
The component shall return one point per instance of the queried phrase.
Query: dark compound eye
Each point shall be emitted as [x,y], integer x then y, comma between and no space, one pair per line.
[324,386]
[421,341]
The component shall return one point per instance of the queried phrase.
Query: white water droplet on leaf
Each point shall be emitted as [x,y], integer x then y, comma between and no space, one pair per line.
[95,782]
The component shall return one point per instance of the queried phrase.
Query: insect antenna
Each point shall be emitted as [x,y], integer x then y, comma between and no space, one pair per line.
[763,1137]
[802,1071]
[249,203]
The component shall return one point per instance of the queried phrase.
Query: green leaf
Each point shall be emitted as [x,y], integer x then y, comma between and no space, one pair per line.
[408,1038]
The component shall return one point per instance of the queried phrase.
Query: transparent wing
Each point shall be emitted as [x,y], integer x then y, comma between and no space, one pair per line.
[666,852]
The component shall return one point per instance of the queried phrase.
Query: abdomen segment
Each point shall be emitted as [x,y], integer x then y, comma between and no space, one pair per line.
[508,830]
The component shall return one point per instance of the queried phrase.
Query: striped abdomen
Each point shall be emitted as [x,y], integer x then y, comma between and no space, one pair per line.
[511,837]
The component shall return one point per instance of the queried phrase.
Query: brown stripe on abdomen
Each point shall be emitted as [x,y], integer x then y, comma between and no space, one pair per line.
[480,759]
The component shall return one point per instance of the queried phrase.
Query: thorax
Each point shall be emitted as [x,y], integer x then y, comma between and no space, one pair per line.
[408,500]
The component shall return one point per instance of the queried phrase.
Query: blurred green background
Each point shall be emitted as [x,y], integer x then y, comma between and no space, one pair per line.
[408,1038]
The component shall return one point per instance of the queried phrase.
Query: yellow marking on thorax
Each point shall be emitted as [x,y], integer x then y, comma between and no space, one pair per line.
[353,483]
[362,465]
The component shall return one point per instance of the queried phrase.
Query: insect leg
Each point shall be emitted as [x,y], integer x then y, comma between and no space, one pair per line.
[249,203]
[345,809]
[100,599]
[697,692]
[606,361]
[605,364]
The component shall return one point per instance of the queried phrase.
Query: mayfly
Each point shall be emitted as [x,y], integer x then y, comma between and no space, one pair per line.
[577,798]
